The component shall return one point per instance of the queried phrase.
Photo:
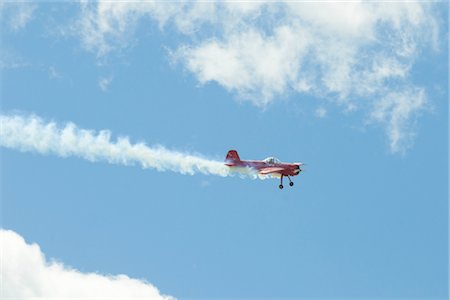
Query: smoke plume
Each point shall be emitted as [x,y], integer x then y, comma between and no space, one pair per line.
[32,134]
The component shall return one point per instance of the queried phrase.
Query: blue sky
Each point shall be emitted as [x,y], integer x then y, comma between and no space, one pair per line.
[362,98]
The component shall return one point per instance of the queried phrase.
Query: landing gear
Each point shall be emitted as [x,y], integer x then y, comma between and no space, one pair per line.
[281,182]
[290,181]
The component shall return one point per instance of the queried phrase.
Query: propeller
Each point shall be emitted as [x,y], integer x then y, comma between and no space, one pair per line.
[301,165]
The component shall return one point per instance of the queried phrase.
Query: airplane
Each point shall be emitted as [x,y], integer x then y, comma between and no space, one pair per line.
[269,166]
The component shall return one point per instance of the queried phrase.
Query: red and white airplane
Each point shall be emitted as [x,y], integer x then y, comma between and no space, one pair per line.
[269,166]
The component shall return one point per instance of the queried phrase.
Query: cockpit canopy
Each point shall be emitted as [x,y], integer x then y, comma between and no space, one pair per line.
[272,160]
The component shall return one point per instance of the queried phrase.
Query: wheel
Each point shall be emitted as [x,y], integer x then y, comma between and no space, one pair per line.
[291,183]
[280,186]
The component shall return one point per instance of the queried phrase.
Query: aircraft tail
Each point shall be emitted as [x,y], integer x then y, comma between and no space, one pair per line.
[232,156]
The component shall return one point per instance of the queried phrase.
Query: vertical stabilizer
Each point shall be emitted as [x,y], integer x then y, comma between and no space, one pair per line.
[232,157]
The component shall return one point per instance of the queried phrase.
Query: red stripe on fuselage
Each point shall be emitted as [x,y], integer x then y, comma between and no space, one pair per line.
[288,169]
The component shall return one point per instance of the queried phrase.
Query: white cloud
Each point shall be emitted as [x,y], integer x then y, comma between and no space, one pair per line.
[396,110]
[355,53]
[53,73]
[27,274]
[249,63]
[10,59]
[17,14]
[321,112]
[104,83]
[32,134]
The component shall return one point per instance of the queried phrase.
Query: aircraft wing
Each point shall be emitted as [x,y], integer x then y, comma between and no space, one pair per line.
[270,170]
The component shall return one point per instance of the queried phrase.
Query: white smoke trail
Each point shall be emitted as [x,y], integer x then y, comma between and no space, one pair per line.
[32,134]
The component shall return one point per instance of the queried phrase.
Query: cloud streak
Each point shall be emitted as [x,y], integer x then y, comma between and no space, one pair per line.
[32,134]
[27,274]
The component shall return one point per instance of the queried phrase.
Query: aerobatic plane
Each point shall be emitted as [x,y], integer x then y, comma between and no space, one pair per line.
[269,166]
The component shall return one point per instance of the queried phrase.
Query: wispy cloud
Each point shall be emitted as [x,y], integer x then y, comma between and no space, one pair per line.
[352,53]
[396,111]
[104,83]
[31,133]
[321,112]
[10,59]
[17,14]
[53,73]
[27,274]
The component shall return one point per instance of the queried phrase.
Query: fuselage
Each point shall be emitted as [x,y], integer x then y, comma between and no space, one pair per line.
[288,169]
